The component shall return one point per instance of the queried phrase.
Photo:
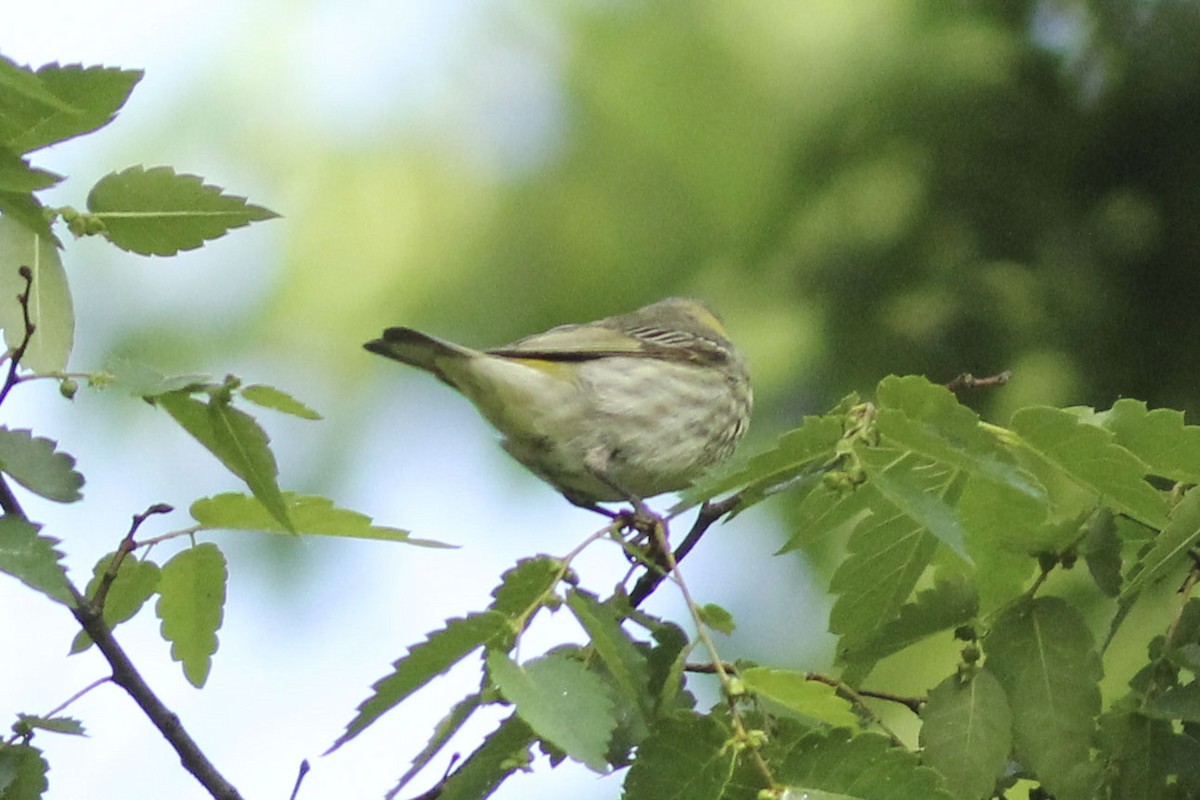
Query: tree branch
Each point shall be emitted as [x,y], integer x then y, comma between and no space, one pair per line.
[126,675]
[710,512]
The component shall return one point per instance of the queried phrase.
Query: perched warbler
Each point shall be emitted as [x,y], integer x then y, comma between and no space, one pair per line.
[623,408]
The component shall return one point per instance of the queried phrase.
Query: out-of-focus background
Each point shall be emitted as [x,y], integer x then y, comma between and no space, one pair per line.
[884,186]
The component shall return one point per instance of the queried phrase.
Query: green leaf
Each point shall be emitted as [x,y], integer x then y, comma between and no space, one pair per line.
[1102,553]
[1159,438]
[927,419]
[22,772]
[966,733]
[33,559]
[35,464]
[503,752]
[160,212]
[886,556]
[20,89]
[1137,750]
[89,98]
[716,618]
[857,766]
[277,399]
[234,438]
[1043,655]
[135,583]
[16,174]
[822,512]
[799,451]
[624,661]
[1170,548]
[685,757]
[27,211]
[667,663]
[143,380]
[949,603]
[310,515]
[794,691]
[440,651]
[50,309]
[564,703]
[1088,455]
[1175,703]
[64,725]
[922,490]
[526,587]
[191,606]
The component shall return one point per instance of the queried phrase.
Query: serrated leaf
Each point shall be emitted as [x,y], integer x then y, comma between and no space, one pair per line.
[966,733]
[64,725]
[33,559]
[160,212]
[822,512]
[886,556]
[525,587]
[440,651]
[1160,438]
[17,175]
[927,419]
[949,603]
[278,400]
[667,663]
[922,490]
[1088,454]
[21,88]
[564,703]
[191,605]
[1170,546]
[859,766]
[50,309]
[503,752]
[1003,530]
[624,661]
[22,772]
[33,462]
[685,757]
[794,691]
[798,451]
[135,583]
[1043,655]
[310,515]
[236,440]
[89,98]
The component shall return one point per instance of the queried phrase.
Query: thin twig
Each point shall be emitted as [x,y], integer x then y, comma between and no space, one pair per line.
[18,352]
[126,675]
[61,707]
[913,704]
[967,381]
[127,546]
[709,513]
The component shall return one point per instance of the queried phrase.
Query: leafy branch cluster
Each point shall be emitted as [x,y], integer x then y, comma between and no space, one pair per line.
[946,526]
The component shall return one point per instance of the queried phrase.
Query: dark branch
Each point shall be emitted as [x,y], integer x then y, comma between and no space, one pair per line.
[913,704]
[709,513]
[126,676]
[124,549]
[967,381]
[14,358]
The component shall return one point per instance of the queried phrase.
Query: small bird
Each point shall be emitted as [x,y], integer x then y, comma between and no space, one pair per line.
[620,409]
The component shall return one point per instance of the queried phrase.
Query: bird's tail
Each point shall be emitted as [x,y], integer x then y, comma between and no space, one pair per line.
[421,350]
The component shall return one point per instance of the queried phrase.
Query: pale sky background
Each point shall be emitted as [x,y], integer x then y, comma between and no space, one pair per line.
[300,646]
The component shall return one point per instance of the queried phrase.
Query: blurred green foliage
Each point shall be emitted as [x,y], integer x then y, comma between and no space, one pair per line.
[862,188]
